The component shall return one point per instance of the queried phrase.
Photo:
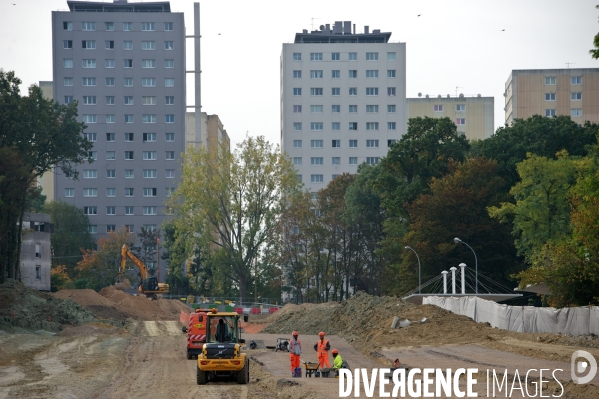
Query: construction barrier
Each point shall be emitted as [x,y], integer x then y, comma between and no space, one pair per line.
[272,310]
[571,321]
[183,318]
[238,310]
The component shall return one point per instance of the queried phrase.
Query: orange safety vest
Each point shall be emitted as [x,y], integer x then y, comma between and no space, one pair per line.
[321,348]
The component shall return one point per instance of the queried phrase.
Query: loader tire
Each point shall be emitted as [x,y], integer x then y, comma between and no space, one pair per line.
[201,377]
[189,356]
[243,375]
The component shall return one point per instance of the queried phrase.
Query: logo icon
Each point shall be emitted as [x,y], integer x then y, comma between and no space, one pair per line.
[579,367]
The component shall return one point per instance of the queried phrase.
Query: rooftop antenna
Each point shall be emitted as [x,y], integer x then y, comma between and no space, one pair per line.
[312,24]
[456,90]
[570,63]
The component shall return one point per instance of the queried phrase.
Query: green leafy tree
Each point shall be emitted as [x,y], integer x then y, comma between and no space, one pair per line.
[595,51]
[147,249]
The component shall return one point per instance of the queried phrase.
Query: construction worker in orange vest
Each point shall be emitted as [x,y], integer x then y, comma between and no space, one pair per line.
[322,348]
[295,350]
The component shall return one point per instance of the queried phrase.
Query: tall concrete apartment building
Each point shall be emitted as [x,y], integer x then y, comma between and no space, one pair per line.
[124,62]
[343,100]
[472,115]
[552,92]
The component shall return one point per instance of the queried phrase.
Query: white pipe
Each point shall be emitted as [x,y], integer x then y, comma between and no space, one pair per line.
[463,266]
[453,269]
[444,273]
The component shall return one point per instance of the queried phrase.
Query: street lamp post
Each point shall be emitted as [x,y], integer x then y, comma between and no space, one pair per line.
[458,241]
[419,269]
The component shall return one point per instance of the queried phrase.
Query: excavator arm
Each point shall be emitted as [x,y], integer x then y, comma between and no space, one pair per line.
[126,253]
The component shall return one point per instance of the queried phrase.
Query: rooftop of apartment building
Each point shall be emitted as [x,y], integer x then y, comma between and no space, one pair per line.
[559,71]
[342,32]
[448,97]
[119,6]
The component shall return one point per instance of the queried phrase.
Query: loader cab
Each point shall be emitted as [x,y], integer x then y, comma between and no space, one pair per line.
[223,329]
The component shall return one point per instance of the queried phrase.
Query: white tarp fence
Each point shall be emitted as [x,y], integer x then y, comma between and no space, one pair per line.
[572,321]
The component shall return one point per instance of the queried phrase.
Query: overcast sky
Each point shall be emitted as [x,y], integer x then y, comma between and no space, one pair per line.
[452,43]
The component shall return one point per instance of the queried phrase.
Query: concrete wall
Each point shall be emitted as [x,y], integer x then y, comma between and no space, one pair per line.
[29,262]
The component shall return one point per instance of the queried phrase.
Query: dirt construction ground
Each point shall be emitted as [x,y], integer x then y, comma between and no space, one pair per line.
[139,358]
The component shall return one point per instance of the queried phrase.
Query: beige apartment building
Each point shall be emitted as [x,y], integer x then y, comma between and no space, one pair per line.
[472,115]
[212,132]
[552,92]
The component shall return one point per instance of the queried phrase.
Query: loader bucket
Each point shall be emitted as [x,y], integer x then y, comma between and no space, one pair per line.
[122,285]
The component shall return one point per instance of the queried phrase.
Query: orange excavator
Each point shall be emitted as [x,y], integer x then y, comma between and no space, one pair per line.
[149,285]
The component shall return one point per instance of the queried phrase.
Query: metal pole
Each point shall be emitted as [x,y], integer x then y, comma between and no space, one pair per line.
[444,273]
[419,269]
[463,271]
[453,269]
[457,240]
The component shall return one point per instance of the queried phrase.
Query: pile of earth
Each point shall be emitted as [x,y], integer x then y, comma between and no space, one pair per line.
[111,303]
[258,323]
[365,318]
[24,307]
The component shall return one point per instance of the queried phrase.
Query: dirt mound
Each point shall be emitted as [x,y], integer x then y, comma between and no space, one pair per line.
[24,307]
[90,329]
[111,303]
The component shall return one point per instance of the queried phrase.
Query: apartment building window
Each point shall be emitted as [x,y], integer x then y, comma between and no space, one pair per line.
[316,74]
[128,192]
[353,125]
[109,63]
[148,100]
[550,80]
[316,143]
[92,155]
[335,74]
[297,109]
[316,178]
[129,118]
[549,96]
[110,173]
[336,160]
[67,44]
[576,112]
[67,25]
[169,82]
[335,126]
[170,137]
[438,108]
[170,191]
[149,137]
[127,63]
[353,56]
[111,210]
[128,82]
[88,26]
[335,56]
[372,160]
[150,210]
[390,73]
[316,161]
[169,45]
[372,56]
[170,155]
[129,155]
[88,63]
[391,125]
[168,26]
[90,210]
[92,137]
[297,144]
[576,96]
[297,161]
[372,109]
[129,210]
[148,45]
[127,26]
[67,63]
[316,126]
[372,144]
[88,44]
[148,63]
[353,144]
[150,173]
[297,74]
[148,118]
[315,56]
[110,227]
[353,109]
[89,118]
[316,91]
[88,81]
[128,100]
[297,56]
[391,91]
[38,253]
[90,174]
[110,155]
[93,229]
[149,155]
[129,137]
[353,91]
[335,109]
[89,100]
[460,121]
[316,109]
[353,160]
[150,192]
[69,192]
[169,173]
[68,99]
[110,137]
[336,143]
[129,173]
[109,82]
[391,56]
[127,45]
[297,126]
[391,142]
[372,73]
[129,228]
[169,118]
[147,26]
[109,26]
[353,74]
[169,63]
[576,80]
[549,112]
[297,91]
[372,91]
[460,107]
[109,44]
[372,126]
